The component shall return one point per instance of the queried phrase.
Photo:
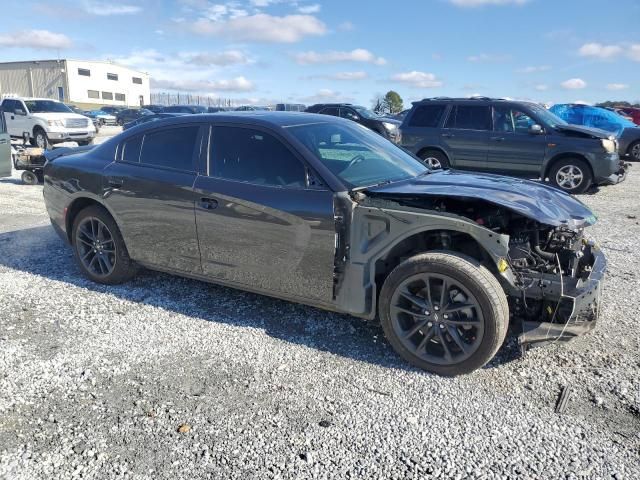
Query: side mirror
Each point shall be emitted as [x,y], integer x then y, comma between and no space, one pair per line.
[536,129]
[19,111]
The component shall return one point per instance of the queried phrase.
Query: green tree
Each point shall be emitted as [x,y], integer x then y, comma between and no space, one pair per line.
[393,102]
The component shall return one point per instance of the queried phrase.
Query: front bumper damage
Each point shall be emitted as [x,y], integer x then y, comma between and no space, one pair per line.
[619,176]
[573,304]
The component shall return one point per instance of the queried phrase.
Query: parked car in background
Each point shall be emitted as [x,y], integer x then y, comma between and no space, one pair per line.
[111,109]
[193,109]
[131,114]
[318,210]
[45,121]
[290,107]
[217,109]
[511,138]
[387,127]
[626,132]
[150,118]
[251,108]
[154,108]
[102,117]
[632,112]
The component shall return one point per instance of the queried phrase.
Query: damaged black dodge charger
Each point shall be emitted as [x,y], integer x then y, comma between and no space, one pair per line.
[322,211]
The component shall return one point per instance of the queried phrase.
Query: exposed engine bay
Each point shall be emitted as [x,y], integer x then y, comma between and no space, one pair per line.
[547,264]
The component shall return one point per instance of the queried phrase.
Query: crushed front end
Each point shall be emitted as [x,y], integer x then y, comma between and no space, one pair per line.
[558,276]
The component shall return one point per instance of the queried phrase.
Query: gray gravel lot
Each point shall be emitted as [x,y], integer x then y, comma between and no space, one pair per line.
[166,378]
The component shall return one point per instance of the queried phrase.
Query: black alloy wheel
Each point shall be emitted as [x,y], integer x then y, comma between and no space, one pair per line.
[96,247]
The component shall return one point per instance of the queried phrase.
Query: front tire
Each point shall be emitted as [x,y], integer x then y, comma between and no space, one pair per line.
[435,160]
[634,151]
[571,175]
[40,139]
[99,247]
[444,313]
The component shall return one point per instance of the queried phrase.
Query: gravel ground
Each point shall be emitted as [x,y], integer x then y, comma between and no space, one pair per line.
[168,378]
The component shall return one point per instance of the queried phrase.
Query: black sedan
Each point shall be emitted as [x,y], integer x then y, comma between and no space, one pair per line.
[131,114]
[150,118]
[318,210]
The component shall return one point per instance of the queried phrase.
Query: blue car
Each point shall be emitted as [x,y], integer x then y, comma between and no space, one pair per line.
[627,133]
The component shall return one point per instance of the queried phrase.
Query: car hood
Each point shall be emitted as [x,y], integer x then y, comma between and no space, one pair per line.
[587,131]
[539,202]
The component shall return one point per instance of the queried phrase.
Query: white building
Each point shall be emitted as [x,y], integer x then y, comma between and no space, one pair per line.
[83,83]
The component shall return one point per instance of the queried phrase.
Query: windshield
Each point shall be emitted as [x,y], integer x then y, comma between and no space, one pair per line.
[544,115]
[357,155]
[593,117]
[366,113]
[46,106]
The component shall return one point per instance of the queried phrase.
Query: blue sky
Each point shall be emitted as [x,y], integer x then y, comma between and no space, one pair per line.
[262,51]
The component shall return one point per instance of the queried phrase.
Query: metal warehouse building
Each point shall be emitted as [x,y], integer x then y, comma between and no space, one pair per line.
[83,83]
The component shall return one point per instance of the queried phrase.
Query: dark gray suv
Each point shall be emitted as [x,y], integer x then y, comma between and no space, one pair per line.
[512,138]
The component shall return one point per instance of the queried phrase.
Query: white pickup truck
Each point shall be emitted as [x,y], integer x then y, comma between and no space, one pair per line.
[45,121]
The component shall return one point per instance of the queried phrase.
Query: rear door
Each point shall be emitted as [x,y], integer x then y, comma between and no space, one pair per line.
[513,149]
[150,190]
[259,222]
[465,135]
[5,149]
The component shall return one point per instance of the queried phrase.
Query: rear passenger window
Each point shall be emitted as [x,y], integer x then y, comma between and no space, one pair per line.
[427,116]
[131,150]
[252,156]
[330,111]
[172,148]
[470,117]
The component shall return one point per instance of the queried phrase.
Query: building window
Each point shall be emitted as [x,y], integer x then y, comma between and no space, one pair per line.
[137,80]
[120,97]
[107,96]
[85,72]
[93,94]
[112,76]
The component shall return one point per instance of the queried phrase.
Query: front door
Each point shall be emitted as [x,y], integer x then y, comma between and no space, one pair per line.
[5,149]
[513,149]
[151,189]
[465,136]
[15,115]
[259,223]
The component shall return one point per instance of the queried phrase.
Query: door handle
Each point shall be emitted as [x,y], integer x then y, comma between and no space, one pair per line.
[208,203]
[497,139]
[448,135]
[115,182]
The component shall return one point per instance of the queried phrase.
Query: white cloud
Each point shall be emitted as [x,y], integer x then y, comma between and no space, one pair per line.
[346,26]
[238,84]
[308,9]
[574,84]
[488,57]
[634,52]
[482,3]
[617,86]
[534,69]
[261,28]
[38,39]
[418,79]
[357,55]
[599,50]
[220,59]
[541,87]
[104,8]
[347,76]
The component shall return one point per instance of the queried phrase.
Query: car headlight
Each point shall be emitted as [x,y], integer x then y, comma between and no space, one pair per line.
[55,123]
[390,126]
[609,145]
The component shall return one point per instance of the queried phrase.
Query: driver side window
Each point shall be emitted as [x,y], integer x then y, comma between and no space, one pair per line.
[349,114]
[510,120]
[253,156]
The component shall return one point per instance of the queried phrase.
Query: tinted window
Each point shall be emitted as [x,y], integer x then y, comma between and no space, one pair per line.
[171,148]
[9,106]
[330,111]
[470,117]
[511,120]
[247,155]
[84,72]
[427,116]
[349,114]
[131,150]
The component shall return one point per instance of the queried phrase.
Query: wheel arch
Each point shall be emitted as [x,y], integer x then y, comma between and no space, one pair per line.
[75,207]
[562,156]
[435,148]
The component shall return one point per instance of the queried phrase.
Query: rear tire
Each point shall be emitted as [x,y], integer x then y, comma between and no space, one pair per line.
[634,151]
[99,247]
[450,333]
[29,177]
[435,159]
[571,175]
